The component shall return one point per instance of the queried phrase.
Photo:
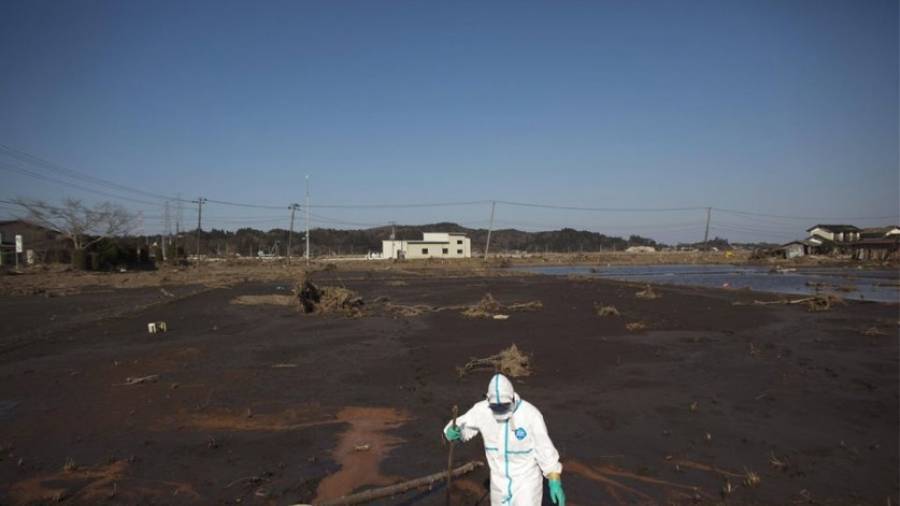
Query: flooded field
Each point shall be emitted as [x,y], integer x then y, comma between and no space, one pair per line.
[668,399]
[872,285]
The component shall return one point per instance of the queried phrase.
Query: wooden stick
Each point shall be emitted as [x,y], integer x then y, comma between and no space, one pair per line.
[382,492]
[450,455]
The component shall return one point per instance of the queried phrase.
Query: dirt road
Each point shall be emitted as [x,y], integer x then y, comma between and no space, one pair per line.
[262,405]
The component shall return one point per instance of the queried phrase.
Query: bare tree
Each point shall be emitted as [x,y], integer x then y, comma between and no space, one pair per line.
[79,223]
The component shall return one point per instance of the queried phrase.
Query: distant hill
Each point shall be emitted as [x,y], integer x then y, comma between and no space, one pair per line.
[334,241]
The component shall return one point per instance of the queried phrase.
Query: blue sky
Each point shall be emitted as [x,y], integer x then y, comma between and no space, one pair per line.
[784,107]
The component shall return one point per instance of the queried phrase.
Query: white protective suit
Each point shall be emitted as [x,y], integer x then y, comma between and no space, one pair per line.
[517,446]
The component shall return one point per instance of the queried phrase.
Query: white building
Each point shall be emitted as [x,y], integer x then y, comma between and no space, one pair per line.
[432,245]
[835,233]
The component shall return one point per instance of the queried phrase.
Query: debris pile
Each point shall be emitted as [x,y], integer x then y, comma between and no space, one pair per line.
[648,293]
[635,326]
[329,300]
[823,302]
[511,362]
[488,307]
[606,310]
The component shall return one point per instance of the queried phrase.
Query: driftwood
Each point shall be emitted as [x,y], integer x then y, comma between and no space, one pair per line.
[153,378]
[399,488]
[815,303]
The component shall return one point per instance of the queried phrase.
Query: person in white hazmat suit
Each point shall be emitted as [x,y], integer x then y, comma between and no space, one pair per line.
[516,444]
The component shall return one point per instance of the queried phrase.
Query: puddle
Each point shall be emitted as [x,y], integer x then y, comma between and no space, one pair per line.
[91,485]
[360,467]
[7,408]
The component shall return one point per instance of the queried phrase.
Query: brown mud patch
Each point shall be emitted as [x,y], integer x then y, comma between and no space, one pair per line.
[92,485]
[360,450]
[621,485]
[289,419]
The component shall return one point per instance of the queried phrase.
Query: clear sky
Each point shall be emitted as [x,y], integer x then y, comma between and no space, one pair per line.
[778,107]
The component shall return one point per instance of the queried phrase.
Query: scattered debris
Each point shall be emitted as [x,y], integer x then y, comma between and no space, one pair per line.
[606,310]
[754,350]
[727,488]
[751,479]
[526,307]
[488,306]
[167,293]
[815,303]
[154,327]
[777,463]
[694,407]
[510,362]
[138,380]
[823,303]
[874,331]
[635,326]
[648,293]
[362,447]
[407,310]
[501,317]
[70,466]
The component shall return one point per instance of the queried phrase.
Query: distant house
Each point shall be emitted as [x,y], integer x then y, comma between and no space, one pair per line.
[886,248]
[796,249]
[838,234]
[879,232]
[881,243]
[47,244]
[432,245]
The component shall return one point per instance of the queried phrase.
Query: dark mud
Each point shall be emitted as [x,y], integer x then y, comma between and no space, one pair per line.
[268,406]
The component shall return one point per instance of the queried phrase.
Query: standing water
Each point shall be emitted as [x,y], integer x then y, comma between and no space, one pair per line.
[852,284]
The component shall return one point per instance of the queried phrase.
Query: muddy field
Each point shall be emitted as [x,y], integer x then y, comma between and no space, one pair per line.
[245,400]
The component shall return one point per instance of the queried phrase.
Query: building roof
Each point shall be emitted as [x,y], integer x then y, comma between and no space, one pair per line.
[22,223]
[879,230]
[835,228]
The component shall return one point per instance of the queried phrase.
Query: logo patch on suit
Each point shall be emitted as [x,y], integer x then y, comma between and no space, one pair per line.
[520,433]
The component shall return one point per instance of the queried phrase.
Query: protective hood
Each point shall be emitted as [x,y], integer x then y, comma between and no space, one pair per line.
[500,391]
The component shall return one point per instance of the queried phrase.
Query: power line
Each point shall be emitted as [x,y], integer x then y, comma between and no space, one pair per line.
[74,174]
[601,209]
[50,179]
[36,162]
[814,218]
[401,206]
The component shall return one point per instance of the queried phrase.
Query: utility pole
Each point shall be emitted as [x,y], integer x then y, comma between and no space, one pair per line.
[487,246]
[200,201]
[706,234]
[307,219]
[293,208]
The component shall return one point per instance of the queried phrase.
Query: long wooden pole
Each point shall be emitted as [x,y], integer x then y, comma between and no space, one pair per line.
[450,455]
[399,488]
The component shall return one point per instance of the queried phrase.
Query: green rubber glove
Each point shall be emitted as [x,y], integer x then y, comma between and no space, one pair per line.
[556,492]
[453,433]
